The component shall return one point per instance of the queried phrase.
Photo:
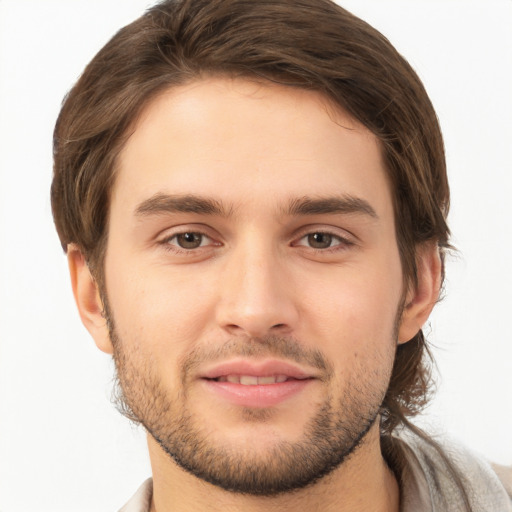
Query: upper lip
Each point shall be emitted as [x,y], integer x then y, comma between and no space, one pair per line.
[255,368]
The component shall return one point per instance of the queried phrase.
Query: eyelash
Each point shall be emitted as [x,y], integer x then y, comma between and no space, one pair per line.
[176,249]
[342,242]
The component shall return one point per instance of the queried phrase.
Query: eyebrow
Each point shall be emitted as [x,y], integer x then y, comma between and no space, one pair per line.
[344,204]
[160,204]
[164,203]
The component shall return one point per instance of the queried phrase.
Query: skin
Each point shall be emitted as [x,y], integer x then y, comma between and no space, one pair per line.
[258,274]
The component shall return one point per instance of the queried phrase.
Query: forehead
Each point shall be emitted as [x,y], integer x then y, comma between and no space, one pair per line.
[248,142]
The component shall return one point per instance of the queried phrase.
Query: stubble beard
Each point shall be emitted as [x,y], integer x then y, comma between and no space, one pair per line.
[330,437]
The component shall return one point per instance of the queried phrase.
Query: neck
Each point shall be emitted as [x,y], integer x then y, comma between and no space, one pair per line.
[362,482]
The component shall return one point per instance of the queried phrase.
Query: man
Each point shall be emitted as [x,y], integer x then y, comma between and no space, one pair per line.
[252,196]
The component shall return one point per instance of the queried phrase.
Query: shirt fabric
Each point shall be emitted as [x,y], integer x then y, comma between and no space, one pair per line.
[426,482]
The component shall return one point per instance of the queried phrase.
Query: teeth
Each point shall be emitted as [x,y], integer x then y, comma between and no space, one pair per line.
[252,380]
[266,380]
[248,380]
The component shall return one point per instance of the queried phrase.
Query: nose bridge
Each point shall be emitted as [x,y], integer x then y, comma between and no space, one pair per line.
[255,297]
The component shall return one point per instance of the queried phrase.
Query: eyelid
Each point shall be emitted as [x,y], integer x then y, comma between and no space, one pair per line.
[344,238]
[339,233]
[335,238]
[171,231]
[165,236]
[340,244]
[168,239]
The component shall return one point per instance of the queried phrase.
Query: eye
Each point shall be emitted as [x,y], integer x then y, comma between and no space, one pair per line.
[322,240]
[189,240]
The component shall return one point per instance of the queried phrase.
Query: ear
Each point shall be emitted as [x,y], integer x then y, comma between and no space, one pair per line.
[421,299]
[87,298]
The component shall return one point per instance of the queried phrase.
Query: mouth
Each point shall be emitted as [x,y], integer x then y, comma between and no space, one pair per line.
[258,385]
[255,380]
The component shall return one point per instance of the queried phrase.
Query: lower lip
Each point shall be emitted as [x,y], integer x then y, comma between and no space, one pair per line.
[257,396]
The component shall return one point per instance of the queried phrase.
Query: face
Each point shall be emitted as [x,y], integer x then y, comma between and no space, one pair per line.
[253,282]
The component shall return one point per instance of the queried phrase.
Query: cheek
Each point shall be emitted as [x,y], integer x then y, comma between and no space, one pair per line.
[158,306]
[356,309]
[358,324]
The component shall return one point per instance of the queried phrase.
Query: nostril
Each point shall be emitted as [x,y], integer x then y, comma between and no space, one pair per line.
[233,327]
[256,328]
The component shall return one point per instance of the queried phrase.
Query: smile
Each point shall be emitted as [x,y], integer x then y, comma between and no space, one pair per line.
[253,380]
[256,384]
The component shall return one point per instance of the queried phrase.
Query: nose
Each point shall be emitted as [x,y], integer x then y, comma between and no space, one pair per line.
[256,296]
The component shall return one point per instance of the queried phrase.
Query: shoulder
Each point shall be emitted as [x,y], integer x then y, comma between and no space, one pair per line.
[504,473]
[453,473]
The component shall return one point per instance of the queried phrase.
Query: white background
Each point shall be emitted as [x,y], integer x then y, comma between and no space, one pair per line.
[63,447]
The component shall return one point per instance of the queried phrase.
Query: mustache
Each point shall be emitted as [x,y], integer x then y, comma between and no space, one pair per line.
[248,347]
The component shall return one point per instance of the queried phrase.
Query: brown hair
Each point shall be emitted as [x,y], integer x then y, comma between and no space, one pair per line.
[312,44]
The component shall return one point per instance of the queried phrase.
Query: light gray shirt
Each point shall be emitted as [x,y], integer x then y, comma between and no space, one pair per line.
[426,483]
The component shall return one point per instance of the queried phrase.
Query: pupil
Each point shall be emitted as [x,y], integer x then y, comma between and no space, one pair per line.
[189,240]
[320,240]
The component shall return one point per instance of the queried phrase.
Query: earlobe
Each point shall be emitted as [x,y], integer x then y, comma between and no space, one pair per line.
[421,299]
[87,298]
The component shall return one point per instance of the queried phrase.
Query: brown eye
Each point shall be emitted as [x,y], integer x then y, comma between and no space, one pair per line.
[189,240]
[320,240]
